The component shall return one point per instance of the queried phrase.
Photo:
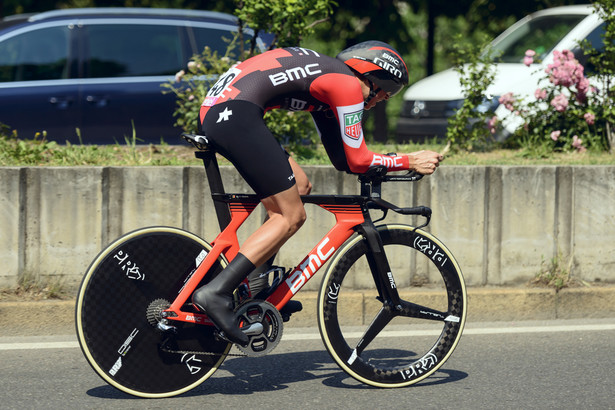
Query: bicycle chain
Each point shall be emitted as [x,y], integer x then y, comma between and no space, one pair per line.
[167,350]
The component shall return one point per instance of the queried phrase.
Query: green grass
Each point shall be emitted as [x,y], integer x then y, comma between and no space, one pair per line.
[33,287]
[40,152]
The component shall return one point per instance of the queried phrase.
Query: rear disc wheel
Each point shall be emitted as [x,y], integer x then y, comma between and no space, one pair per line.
[119,305]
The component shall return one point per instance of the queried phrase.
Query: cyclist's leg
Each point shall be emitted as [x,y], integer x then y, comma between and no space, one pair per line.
[301,179]
[244,139]
[258,278]
[285,216]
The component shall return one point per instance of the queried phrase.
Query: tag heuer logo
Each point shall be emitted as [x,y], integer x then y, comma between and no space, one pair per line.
[352,124]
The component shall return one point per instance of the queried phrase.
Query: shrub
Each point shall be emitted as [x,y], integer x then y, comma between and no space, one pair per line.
[563,114]
[569,111]
[468,127]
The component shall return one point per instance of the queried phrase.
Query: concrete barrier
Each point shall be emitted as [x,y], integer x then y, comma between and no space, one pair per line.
[501,222]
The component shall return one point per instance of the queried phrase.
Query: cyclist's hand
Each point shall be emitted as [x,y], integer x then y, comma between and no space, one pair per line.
[424,162]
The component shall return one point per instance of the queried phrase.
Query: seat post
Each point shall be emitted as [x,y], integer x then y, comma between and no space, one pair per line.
[212,170]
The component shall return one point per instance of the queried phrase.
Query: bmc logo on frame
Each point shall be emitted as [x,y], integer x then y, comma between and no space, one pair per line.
[309,267]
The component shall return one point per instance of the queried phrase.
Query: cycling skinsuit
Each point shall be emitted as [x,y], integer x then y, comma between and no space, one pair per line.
[294,79]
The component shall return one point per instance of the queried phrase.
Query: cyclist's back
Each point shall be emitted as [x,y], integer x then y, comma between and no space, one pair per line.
[281,78]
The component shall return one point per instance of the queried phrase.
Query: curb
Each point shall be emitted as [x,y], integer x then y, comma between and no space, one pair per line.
[51,317]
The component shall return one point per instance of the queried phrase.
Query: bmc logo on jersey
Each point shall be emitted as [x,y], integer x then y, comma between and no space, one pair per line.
[296,73]
[352,124]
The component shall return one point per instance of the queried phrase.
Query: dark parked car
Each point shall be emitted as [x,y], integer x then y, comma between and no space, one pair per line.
[100,70]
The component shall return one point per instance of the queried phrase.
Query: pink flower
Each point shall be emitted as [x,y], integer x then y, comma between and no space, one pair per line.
[179,75]
[529,57]
[582,89]
[560,103]
[492,123]
[540,94]
[193,66]
[555,135]
[507,100]
[565,70]
[578,144]
[590,118]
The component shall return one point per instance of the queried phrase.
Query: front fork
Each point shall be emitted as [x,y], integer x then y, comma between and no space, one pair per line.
[379,266]
[385,283]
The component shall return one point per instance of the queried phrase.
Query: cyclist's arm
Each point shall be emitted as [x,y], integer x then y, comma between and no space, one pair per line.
[343,94]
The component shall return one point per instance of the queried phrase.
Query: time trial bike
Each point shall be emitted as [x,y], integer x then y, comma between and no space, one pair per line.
[384,283]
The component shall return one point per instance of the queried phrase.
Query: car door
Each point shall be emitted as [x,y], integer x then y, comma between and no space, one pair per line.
[125,63]
[36,93]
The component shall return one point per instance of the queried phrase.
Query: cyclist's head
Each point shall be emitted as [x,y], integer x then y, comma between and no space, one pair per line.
[379,63]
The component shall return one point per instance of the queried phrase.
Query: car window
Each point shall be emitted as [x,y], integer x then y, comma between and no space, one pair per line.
[35,55]
[595,38]
[117,50]
[595,41]
[540,34]
[217,40]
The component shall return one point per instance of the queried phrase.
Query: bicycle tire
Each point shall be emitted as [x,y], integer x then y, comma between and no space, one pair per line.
[147,266]
[408,349]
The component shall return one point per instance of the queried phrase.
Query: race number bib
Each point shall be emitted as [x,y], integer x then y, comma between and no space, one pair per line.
[220,86]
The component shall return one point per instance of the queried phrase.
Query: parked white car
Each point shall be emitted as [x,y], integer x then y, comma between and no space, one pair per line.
[431,101]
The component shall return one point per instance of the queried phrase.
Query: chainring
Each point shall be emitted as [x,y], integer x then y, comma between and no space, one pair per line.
[260,311]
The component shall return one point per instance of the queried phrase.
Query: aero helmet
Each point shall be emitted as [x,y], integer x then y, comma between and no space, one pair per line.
[379,63]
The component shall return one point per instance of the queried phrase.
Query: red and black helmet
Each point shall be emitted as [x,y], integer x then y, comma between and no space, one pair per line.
[379,63]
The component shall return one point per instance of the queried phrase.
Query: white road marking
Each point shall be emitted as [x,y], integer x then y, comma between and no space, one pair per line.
[42,345]
[306,335]
[471,331]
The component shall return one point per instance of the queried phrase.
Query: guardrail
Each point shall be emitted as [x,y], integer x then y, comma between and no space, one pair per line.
[501,222]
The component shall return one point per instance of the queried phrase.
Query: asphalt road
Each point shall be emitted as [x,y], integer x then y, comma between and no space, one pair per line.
[528,365]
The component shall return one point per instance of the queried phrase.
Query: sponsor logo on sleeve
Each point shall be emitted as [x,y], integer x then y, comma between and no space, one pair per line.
[352,125]
[350,122]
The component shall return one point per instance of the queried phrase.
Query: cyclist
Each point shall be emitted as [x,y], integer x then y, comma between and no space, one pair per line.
[335,91]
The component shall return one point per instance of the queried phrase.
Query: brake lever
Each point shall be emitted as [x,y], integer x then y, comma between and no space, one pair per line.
[414,176]
[411,176]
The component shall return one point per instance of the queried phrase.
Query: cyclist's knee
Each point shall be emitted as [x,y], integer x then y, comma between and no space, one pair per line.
[304,187]
[301,218]
[295,220]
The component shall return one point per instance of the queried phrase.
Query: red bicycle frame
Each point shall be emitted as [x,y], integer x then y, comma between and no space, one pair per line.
[351,214]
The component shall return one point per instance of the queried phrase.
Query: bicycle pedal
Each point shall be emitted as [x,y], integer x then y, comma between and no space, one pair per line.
[277,274]
[292,306]
[220,336]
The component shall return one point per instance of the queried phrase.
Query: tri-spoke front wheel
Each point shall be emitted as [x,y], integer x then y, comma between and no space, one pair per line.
[387,345]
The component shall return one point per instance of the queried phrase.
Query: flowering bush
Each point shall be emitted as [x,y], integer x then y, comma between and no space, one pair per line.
[567,112]
[562,115]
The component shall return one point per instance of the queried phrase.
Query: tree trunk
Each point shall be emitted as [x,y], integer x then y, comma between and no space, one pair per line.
[611,138]
[431,34]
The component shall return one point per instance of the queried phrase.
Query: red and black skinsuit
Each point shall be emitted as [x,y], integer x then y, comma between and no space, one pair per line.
[294,79]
